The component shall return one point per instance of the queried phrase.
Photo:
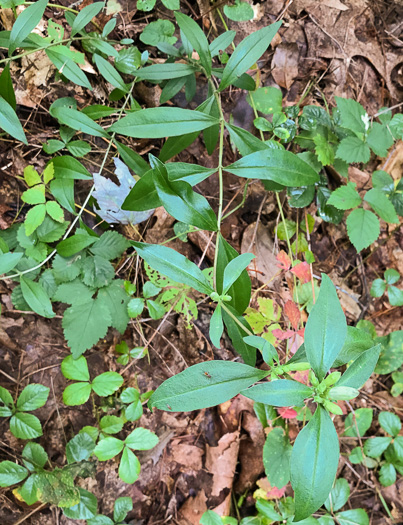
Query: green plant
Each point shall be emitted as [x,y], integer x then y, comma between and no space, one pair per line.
[54,260]
[379,286]
[22,424]
[386,451]
[120,510]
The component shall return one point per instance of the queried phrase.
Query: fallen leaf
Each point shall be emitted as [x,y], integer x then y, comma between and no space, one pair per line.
[284,260]
[110,197]
[221,462]
[193,509]
[287,413]
[285,64]
[302,270]
[186,455]
[263,247]
[271,492]
[291,310]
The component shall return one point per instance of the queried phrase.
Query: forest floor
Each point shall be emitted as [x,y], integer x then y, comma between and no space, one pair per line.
[208,459]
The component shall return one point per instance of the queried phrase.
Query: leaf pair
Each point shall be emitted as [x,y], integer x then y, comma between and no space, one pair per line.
[78,393]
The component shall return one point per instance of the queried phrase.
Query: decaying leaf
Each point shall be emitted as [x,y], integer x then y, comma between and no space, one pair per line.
[110,197]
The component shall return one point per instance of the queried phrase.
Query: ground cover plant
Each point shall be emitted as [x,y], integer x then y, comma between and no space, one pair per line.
[78,253]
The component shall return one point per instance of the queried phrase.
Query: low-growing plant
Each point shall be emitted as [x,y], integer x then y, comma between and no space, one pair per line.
[53,259]
[380,286]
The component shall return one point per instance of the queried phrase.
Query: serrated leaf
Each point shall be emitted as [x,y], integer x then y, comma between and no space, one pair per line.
[116,300]
[107,383]
[32,397]
[345,197]
[338,496]
[8,261]
[390,423]
[55,211]
[110,245]
[387,475]
[129,468]
[111,424]
[378,288]
[86,508]
[353,116]
[75,369]
[97,271]
[374,447]
[34,218]
[11,473]
[353,149]
[57,488]
[79,448]
[276,458]
[66,269]
[83,327]
[74,292]
[352,517]
[363,419]
[25,426]
[380,139]
[204,385]
[381,205]
[123,505]
[76,394]
[141,439]
[363,228]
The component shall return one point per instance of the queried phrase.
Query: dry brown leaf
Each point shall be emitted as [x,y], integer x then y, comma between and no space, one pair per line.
[263,247]
[285,64]
[221,462]
[193,509]
[187,455]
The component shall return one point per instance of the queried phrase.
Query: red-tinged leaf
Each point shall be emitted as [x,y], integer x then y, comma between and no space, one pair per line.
[291,310]
[301,332]
[284,260]
[342,405]
[300,376]
[302,271]
[282,335]
[287,413]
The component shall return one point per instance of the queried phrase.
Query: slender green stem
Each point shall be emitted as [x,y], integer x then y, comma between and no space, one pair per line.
[57,6]
[77,218]
[236,320]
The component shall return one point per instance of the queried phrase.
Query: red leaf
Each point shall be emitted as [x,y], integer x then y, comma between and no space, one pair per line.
[302,271]
[287,334]
[287,413]
[291,310]
[300,376]
[276,493]
[284,260]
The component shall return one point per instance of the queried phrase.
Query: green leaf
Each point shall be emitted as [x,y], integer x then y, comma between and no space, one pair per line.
[11,473]
[28,491]
[159,31]
[387,475]
[68,67]
[34,218]
[316,445]
[266,508]
[204,385]
[236,334]
[239,12]
[353,149]
[345,197]
[363,228]
[97,271]
[116,300]
[222,42]
[129,468]
[338,496]
[374,447]
[79,448]
[174,145]
[167,71]
[395,296]
[122,505]
[107,383]
[197,39]
[381,205]
[240,290]
[111,424]
[25,426]
[128,60]
[361,369]
[353,116]
[52,146]
[171,88]
[353,517]
[74,292]
[79,121]
[135,306]
[78,148]
[8,261]
[34,195]
[7,401]
[391,276]
[25,23]
[380,139]
[82,325]
[378,288]
[324,150]
[181,201]
[141,439]
[234,269]
[276,458]
[247,53]
[55,211]
[391,357]
[156,310]
[390,423]
[6,87]
[326,329]
[74,244]
[245,142]
[108,448]
[280,166]
[216,327]
[173,265]
[69,168]
[280,393]
[132,159]
[84,17]
[75,369]
[162,122]
[87,506]
[267,100]
[363,418]
[32,397]
[109,73]
[36,297]
[76,394]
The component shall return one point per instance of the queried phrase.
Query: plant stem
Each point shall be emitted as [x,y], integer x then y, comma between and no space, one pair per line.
[236,320]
